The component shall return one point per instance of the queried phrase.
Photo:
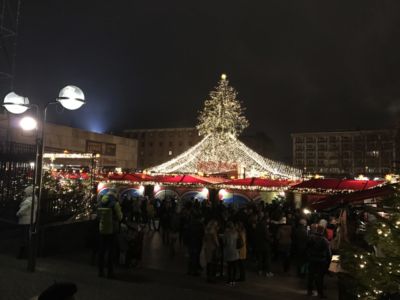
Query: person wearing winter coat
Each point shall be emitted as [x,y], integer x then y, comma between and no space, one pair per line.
[242,251]
[210,247]
[300,247]
[263,247]
[24,212]
[284,243]
[110,216]
[319,255]
[194,241]
[24,219]
[231,253]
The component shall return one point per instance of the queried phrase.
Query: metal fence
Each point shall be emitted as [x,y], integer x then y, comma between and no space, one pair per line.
[16,173]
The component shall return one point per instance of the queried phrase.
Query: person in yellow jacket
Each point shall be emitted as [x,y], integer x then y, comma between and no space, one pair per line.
[109,215]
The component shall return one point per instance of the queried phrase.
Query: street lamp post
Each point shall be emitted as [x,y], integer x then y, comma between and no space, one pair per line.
[71,98]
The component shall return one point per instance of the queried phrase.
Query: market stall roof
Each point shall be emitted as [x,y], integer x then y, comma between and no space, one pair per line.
[338,184]
[254,181]
[188,179]
[358,196]
[130,177]
[74,175]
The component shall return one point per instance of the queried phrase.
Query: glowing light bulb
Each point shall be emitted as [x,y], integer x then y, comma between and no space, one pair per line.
[28,123]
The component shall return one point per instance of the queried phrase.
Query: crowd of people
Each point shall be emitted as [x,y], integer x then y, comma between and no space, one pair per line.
[224,240]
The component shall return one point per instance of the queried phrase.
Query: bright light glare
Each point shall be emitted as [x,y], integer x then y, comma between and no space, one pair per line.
[204,192]
[28,123]
[32,164]
[15,104]
[71,97]
[223,193]
[361,177]
[306,211]
[141,189]
[157,187]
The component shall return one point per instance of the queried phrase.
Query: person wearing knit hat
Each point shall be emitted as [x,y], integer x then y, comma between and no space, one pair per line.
[110,216]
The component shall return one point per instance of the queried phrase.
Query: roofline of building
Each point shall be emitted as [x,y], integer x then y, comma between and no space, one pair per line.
[158,129]
[340,132]
[92,132]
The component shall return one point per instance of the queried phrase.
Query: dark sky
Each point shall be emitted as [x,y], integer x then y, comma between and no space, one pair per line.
[298,65]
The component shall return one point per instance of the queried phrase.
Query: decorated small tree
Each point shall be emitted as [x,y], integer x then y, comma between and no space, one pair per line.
[64,198]
[375,270]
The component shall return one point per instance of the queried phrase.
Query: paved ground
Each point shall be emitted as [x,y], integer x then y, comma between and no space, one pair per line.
[159,277]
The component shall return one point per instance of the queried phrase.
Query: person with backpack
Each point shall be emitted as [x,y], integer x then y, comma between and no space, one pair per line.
[319,255]
[110,216]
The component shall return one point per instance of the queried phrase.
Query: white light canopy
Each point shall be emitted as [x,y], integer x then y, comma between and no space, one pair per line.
[15,104]
[220,151]
[71,97]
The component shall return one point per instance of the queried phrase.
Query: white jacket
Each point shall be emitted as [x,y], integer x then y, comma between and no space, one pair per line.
[24,212]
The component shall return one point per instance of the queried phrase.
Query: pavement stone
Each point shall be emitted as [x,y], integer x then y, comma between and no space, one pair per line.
[159,277]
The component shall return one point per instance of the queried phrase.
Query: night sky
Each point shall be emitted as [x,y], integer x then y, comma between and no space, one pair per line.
[298,65]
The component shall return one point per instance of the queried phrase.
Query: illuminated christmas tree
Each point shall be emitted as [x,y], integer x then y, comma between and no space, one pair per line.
[375,270]
[222,115]
[220,123]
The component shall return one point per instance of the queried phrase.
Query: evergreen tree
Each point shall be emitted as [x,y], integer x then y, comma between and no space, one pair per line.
[221,121]
[376,270]
[222,114]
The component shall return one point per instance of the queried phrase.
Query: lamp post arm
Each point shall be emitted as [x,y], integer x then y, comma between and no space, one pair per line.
[40,161]
[36,178]
[36,182]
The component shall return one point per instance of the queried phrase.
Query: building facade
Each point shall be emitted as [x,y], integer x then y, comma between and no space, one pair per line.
[115,151]
[345,153]
[156,146]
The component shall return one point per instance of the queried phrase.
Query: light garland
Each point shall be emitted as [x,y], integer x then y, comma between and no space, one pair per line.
[221,121]
[54,156]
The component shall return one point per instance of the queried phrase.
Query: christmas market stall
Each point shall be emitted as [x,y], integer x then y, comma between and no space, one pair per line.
[184,187]
[124,184]
[316,190]
[240,192]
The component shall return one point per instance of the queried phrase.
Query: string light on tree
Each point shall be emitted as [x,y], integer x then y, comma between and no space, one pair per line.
[221,121]
[376,273]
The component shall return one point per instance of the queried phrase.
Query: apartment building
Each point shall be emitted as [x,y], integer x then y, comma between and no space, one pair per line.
[349,153]
[156,146]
